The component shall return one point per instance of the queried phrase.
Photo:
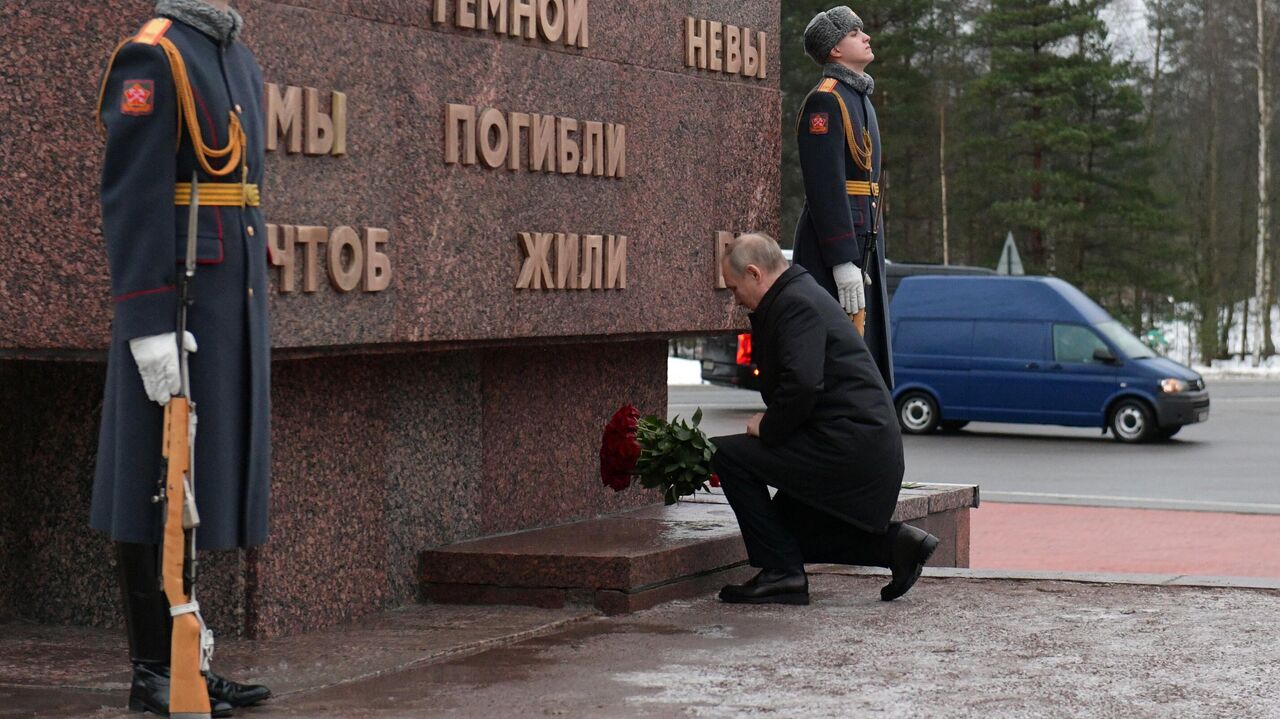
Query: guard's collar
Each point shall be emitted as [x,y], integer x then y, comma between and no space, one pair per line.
[859,81]
[223,27]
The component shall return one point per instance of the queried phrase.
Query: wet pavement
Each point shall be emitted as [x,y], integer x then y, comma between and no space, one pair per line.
[956,646]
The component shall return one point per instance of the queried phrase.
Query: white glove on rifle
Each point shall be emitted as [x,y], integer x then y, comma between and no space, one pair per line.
[157,358]
[850,287]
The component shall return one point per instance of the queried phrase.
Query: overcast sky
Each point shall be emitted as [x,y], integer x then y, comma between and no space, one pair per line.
[1128,23]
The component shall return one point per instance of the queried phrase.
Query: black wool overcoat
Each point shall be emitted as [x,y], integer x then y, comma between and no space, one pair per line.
[829,429]
[146,247]
[833,221]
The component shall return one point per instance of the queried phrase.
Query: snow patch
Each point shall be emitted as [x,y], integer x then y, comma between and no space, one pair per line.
[683,371]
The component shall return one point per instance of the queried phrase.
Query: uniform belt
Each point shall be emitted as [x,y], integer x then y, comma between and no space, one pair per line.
[859,188]
[219,194]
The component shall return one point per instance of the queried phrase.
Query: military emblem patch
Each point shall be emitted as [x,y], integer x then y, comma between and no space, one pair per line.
[818,123]
[139,97]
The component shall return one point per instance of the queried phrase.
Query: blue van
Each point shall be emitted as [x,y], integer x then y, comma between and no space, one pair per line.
[1031,350]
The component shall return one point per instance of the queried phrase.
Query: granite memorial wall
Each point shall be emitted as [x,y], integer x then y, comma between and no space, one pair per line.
[487,217]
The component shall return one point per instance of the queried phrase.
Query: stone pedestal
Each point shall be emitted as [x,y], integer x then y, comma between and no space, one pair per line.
[375,459]
[634,560]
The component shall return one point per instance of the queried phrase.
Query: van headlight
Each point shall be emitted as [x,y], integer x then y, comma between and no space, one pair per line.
[1171,386]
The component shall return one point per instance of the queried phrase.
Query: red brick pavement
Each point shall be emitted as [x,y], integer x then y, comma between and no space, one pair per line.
[1101,539]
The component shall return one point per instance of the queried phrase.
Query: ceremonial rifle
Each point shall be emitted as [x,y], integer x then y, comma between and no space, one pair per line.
[869,251]
[192,643]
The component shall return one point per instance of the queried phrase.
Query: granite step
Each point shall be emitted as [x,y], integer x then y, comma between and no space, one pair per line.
[634,560]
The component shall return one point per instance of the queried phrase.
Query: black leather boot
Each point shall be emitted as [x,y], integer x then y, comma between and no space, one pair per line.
[909,549]
[770,586]
[147,622]
[234,693]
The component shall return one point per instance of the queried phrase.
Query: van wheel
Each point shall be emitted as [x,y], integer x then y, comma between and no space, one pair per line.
[1132,422]
[918,413]
[954,425]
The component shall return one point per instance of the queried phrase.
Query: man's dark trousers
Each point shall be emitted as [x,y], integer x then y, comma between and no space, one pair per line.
[785,533]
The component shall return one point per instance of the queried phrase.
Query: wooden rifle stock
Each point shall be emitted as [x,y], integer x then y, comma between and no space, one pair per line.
[192,641]
[188,693]
[860,322]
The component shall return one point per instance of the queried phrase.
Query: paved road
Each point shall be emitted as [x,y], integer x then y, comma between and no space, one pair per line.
[1229,464]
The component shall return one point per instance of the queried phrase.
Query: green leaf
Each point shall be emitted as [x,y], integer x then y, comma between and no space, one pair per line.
[697,417]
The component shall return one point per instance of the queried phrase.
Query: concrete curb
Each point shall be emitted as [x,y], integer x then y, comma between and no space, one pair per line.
[1155,580]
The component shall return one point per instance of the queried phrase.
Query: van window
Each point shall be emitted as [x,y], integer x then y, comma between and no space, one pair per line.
[1073,343]
[1009,340]
[933,337]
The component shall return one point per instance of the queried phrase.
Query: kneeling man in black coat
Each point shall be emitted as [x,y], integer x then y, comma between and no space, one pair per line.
[828,441]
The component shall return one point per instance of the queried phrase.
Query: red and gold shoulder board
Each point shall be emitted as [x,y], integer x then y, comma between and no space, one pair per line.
[151,33]
[827,85]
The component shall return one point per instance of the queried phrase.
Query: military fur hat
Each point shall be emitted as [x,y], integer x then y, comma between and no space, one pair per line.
[826,29]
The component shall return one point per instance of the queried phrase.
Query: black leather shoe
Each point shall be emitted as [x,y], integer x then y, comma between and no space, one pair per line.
[912,547]
[770,586]
[234,693]
[150,692]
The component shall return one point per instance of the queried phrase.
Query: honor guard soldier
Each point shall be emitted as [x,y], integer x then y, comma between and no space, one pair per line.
[182,100]
[839,239]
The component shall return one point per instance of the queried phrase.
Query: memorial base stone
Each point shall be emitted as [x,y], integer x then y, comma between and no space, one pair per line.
[634,560]
[375,459]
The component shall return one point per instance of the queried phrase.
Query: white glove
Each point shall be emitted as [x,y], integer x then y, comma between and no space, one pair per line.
[850,287]
[157,358]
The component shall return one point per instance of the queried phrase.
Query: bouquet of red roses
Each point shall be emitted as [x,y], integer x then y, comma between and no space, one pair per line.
[672,456]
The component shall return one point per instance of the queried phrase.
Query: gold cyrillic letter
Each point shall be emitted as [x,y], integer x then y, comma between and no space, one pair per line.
[732,49]
[550,25]
[592,262]
[568,146]
[576,23]
[459,125]
[338,110]
[284,117]
[715,44]
[345,278]
[493,152]
[311,238]
[535,274]
[542,143]
[750,57]
[524,19]
[695,42]
[516,121]
[496,9]
[319,125]
[615,140]
[615,260]
[566,261]
[377,265]
[593,149]
[281,241]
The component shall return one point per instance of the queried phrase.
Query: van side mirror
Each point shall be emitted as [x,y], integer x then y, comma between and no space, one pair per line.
[1104,356]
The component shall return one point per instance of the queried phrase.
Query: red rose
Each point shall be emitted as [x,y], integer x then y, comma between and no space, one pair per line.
[619,449]
[715,480]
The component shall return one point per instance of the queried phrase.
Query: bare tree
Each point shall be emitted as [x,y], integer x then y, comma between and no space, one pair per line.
[1262,291]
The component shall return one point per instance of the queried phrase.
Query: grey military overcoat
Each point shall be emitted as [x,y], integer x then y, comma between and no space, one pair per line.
[145,243]
[830,229]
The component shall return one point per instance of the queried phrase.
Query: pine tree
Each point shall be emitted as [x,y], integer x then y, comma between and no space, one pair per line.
[1030,96]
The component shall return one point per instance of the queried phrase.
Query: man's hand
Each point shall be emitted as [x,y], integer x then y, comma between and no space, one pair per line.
[850,287]
[753,424]
[157,358]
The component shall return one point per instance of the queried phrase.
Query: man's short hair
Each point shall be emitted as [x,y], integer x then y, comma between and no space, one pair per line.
[755,248]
